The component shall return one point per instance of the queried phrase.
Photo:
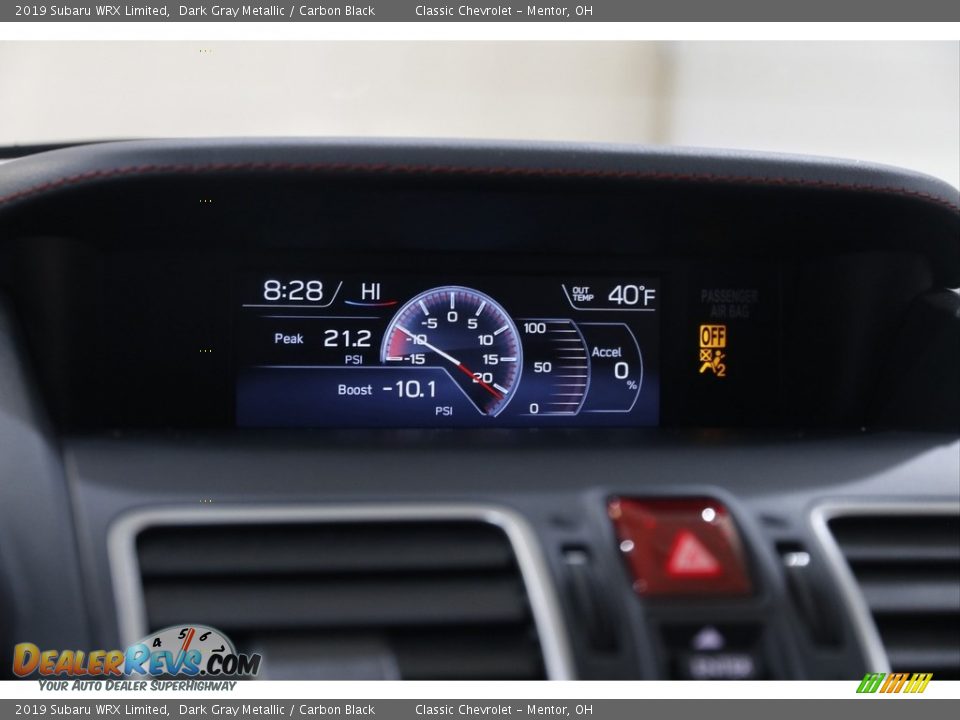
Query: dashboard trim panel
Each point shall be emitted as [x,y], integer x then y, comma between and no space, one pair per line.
[81,165]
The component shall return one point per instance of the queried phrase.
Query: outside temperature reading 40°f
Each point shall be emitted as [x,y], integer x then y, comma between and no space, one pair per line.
[632,295]
[600,295]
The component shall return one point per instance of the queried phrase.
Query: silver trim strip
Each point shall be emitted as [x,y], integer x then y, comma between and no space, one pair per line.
[544,604]
[864,626]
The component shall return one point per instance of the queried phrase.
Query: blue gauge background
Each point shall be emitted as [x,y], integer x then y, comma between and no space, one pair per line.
[465,332]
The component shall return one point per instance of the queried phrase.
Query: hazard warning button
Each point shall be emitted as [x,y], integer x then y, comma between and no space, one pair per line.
[682,546]
[690,558]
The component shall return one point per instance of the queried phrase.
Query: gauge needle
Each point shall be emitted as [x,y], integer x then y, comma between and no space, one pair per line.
[186,644]
[423,341]
[446,356]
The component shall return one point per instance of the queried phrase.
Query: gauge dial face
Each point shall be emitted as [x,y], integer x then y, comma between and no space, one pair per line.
[467,334]
[180,639]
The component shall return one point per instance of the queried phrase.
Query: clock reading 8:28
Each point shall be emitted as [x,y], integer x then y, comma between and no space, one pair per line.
[293,290]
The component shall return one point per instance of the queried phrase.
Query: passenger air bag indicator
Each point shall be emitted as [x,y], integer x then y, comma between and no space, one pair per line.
[713,338]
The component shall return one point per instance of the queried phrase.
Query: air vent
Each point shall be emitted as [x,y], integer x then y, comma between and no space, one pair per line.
[349,600]
[908,570]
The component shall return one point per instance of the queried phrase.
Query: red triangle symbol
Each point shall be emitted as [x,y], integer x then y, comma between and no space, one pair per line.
[690,558]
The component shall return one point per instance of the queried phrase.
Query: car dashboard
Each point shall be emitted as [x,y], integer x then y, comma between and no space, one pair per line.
[421,409]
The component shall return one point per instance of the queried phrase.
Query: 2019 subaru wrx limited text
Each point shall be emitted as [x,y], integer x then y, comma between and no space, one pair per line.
[467,410]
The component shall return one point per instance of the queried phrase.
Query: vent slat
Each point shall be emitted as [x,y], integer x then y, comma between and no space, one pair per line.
[482,652]
[366,601]
[480,656]
[897,531]
[427,600]
[940,661]
[911,551]
[894,595]
[908,569]
[205,551]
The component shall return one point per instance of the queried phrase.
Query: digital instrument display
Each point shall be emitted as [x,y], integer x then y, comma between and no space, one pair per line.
[321,350]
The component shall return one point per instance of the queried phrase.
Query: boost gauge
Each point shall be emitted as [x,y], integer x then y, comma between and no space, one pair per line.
[464,332]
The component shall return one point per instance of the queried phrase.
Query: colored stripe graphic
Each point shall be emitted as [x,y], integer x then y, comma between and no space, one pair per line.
[894,683]
[918,682]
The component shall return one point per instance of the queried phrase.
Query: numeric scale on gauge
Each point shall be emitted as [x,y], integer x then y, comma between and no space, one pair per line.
[435,325]
[564,359]
[449,355]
